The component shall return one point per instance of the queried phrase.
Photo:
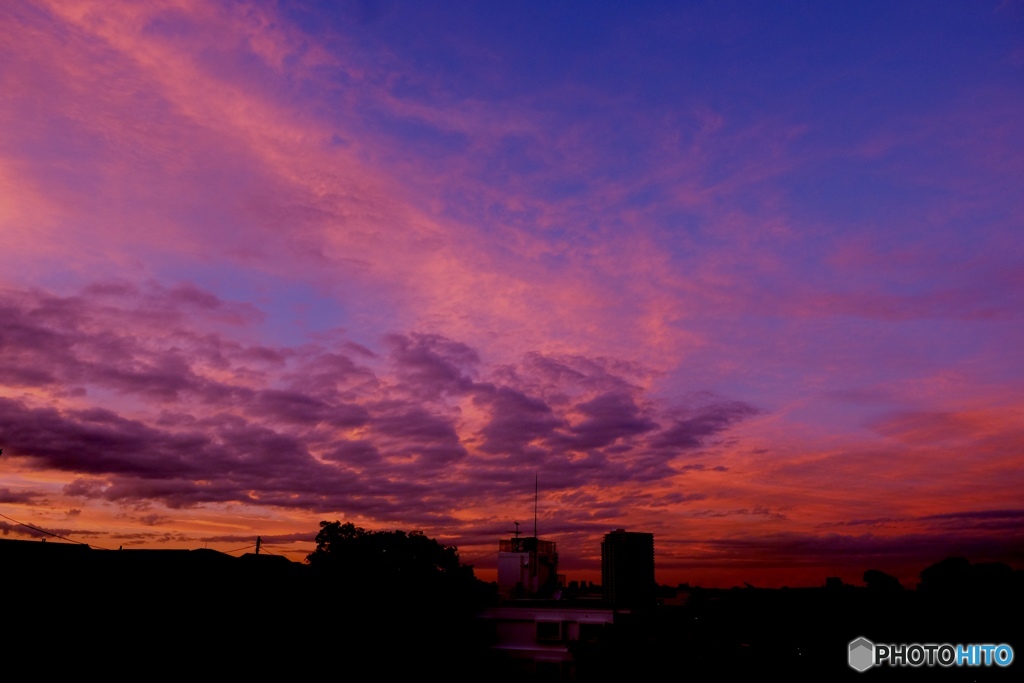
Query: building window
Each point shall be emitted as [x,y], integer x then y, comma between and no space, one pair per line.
[549,631]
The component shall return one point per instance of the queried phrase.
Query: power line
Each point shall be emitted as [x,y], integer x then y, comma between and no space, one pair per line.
[50,533]
[244,547]
[99,547]
[478,557]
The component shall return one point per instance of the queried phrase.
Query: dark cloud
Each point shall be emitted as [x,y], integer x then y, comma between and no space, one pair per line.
[154,520]
[1010,520]
[262,355]
[356,453]
[50,532]
[301,408]
[406,430]
[20,497]
[977,515]
[200,418]
[193,297]
[21,530]
[863,551]
[95,441]
[607,418]
[431,365]
[164,377]
[606,437]
[874,522]
[360,349]
[86,488]
[677,498]
[71,341]
[329,375]
[757,511]
[690,430]
[270,539]
[516,421]
[1007,521]
[183,299]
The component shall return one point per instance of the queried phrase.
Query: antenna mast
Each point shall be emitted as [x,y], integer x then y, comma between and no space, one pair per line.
[536,488]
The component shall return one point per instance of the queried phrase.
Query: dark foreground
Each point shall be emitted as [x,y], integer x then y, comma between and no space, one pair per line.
[73,610]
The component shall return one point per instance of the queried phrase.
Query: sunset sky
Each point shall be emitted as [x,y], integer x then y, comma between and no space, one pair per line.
[745,275]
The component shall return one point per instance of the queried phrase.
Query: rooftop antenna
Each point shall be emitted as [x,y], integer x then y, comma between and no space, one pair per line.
[517,529]
[536,489]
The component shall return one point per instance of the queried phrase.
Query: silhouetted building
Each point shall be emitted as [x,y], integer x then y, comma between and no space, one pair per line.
[627,568]
[536,631]
[543,639]
[527,568]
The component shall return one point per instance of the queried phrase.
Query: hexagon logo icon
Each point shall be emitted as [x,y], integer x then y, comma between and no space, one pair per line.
[862,654]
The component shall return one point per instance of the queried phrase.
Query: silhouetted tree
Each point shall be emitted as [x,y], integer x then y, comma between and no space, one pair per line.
[395,558]
[402,588]
[951,574]
[958,575]
[877,580]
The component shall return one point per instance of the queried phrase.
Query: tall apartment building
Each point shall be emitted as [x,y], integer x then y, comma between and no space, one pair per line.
[627,568]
